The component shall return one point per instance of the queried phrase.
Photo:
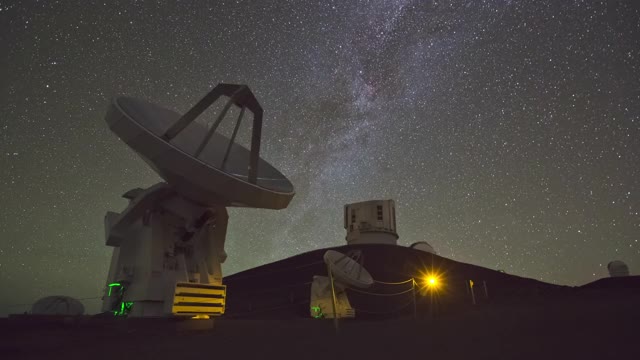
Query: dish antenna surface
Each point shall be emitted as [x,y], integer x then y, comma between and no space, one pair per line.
[347,268]
[169,241]
[198,162]
[328,296]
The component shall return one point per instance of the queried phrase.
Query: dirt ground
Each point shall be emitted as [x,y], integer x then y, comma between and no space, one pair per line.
[592,328]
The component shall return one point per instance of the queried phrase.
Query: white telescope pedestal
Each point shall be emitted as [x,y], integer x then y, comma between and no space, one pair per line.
[167,255]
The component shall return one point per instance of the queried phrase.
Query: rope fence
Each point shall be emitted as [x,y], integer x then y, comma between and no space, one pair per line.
[378,294]
[394,283]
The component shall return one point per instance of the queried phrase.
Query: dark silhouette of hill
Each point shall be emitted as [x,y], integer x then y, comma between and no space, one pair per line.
[281,289]
[268,317]
[631,283]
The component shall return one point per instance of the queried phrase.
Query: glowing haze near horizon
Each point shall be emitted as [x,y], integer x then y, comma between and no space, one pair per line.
[506,131]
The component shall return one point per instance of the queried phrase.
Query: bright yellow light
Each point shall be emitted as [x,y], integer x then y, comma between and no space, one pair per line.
[431,281]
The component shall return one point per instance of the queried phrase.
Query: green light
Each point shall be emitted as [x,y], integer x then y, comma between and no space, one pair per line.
[318,312]
[125,308]
[112,285]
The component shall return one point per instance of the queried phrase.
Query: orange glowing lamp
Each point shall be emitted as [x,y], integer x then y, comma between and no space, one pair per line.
[432,281]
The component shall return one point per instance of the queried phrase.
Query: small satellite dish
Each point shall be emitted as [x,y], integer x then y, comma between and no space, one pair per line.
[347,270]
[202,165]
[328,296]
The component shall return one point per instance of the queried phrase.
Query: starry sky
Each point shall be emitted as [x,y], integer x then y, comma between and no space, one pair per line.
[507,131]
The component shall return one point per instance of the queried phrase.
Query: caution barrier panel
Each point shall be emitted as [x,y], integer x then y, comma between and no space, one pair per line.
[199,299]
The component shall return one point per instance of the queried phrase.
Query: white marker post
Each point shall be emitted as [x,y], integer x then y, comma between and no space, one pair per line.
[486,290]
[333,298]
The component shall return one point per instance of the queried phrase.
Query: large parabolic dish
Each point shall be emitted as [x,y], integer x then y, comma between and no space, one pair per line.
[198,162]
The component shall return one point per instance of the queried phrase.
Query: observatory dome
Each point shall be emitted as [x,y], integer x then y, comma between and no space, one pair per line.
[57,305]
[618,268]
[423,246]
[371,222]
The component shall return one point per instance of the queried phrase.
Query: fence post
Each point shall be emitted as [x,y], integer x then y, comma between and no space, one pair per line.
[486,290]
[333,296]
[473,295]
[413,287]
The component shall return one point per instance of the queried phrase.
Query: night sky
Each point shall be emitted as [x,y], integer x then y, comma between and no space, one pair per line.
[507,132]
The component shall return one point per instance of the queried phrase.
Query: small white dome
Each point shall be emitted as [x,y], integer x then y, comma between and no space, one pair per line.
[617,268]
[423,246]
[57,305]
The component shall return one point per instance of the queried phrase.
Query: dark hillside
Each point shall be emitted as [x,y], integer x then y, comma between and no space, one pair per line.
[281,289]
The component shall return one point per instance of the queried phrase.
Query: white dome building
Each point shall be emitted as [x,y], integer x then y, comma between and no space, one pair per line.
[618,268]
[423,246]
[57,305]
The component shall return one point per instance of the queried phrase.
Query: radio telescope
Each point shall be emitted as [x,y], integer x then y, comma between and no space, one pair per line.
[169,241]
[328,296]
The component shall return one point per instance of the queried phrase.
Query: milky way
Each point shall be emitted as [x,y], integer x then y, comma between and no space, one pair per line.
[508,132]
